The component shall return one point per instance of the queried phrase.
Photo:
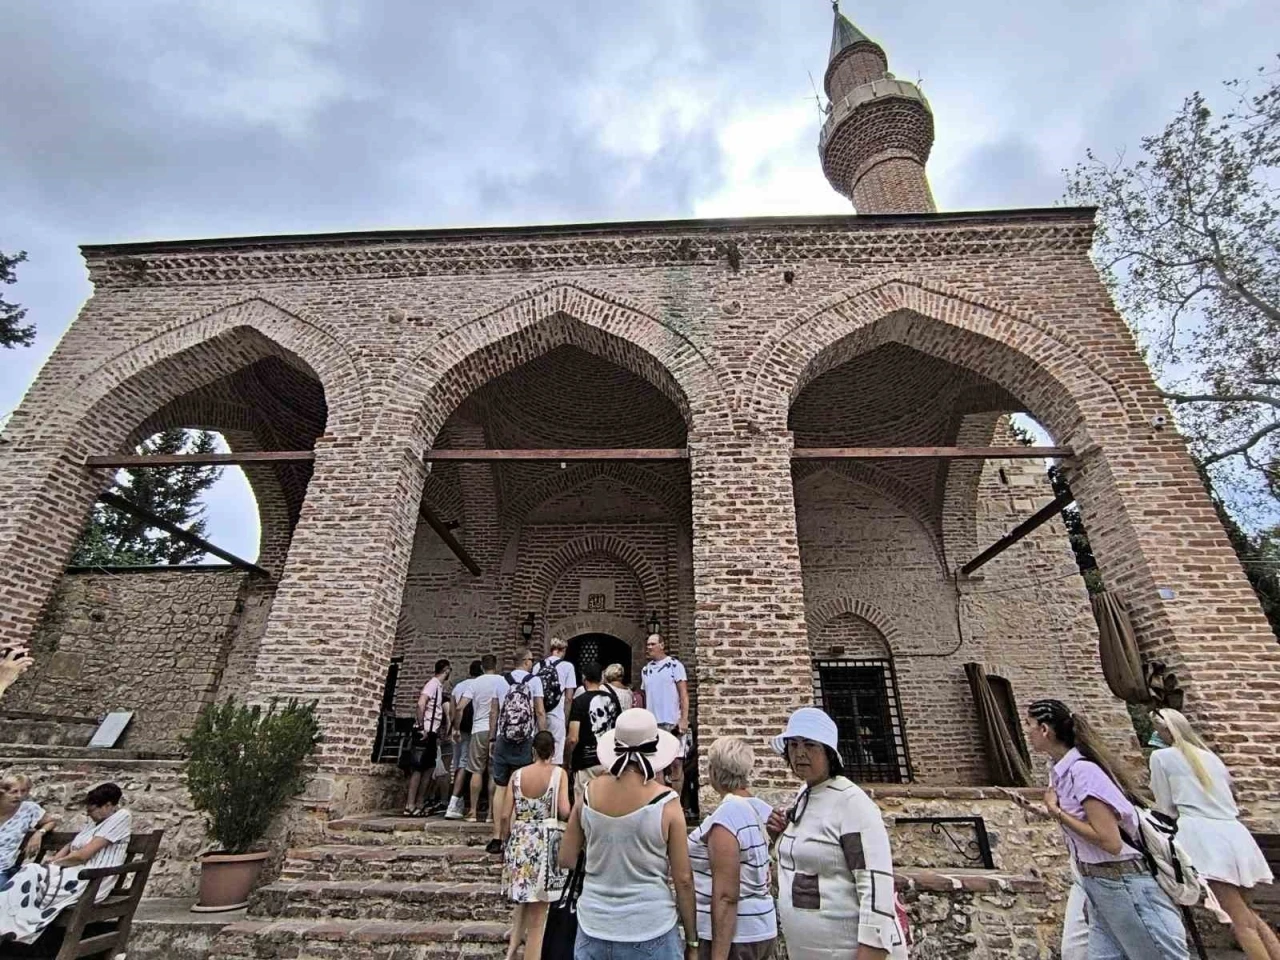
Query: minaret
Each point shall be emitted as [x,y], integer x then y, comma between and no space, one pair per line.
[879,130]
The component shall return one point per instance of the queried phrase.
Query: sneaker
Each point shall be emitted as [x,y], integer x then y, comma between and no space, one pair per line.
[493,846]
[455,809]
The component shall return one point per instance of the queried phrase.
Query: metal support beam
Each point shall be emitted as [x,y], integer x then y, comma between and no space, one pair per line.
[1041,517]
[445,534]
[606,453]
[1018,452]
[134,461]
[142,513]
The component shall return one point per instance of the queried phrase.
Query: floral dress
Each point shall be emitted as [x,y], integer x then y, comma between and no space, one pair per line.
[530,869]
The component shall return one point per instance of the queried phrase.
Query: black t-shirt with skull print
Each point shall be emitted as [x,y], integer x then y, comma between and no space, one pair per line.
[597,712]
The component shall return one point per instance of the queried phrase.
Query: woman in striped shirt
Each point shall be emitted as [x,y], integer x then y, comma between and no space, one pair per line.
[729,852]
[38,892]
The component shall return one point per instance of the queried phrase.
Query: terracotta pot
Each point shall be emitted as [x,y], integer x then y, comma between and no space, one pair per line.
[226,879]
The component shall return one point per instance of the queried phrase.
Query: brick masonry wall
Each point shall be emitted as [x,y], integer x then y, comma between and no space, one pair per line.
[400,330]
[155,643]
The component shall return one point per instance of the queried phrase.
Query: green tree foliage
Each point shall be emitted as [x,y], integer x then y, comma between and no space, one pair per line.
[244,763]
[11,314]
[1076,533]
[116,538]
[1189,242]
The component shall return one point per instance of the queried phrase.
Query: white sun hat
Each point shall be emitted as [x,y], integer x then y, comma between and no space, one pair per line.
[809,723]
[636,739]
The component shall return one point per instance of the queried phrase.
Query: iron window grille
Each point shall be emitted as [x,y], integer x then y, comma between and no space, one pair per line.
[861,696]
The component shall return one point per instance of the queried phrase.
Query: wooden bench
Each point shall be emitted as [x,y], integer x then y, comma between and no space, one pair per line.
[89,929]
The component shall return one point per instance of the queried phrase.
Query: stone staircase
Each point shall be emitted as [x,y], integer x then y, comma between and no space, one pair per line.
[388,888]
[384,888]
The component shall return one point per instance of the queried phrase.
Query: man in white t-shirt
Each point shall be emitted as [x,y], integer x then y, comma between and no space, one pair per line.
[568,678]
[462,738]
[666,695]
[485,696]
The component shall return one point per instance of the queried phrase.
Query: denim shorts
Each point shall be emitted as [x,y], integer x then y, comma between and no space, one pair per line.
[669,946]
[508,757]
[1131,918]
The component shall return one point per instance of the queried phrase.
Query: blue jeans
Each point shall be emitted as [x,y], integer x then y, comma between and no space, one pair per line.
[1131,918]
[669,946]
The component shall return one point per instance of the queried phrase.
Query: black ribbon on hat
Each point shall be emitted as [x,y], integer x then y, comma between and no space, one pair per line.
[639,755]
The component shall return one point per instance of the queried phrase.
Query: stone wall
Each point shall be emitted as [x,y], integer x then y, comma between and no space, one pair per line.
[152,642]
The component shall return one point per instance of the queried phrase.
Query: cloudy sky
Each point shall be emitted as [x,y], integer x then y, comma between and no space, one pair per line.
[157,119]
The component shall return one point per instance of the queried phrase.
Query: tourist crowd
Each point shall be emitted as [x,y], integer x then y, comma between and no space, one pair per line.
[584,787]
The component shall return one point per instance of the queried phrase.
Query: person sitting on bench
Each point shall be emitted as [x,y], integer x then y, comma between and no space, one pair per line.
[34,896]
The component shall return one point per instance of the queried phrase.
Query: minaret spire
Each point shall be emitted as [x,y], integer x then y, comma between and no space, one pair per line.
[879,131]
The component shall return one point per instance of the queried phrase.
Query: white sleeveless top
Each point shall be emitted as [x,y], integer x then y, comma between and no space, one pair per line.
[625,895]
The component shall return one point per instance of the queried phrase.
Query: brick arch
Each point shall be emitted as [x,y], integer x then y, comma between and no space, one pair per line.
[823,613]
[192,352]
[548,316]
[913,503]
[960,487]
[645,482]
[545,578]
[1019,352]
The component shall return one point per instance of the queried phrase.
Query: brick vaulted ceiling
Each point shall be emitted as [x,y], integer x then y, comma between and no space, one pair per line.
[571,398]
[894,396]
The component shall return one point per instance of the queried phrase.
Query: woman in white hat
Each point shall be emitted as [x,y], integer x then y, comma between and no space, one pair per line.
[835,869]
[635,838]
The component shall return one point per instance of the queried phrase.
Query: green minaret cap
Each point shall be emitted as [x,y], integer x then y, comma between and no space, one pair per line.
[844,33]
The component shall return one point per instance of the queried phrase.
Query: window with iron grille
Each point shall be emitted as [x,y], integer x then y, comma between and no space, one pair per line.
[861,696]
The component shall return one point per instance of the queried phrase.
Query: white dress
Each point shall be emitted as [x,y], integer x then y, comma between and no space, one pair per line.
[1219,845]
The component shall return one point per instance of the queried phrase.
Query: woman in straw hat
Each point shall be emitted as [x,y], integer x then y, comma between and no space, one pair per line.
[835,869]
[635,839]
[1192,784]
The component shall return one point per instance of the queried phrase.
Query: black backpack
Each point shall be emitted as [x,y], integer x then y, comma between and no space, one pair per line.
[468,716]
[550,677]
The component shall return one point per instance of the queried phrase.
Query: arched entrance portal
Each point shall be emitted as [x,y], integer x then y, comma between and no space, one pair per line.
[604,649]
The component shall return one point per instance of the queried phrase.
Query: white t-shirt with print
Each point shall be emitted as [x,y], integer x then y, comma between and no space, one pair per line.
[658,680]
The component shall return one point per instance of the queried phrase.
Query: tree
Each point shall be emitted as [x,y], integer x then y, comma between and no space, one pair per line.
[116,538]
[1189,243]
[11,314]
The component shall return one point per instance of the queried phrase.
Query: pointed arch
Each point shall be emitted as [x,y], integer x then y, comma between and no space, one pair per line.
[193,352]
[545,578]
[547,316]
[1024,354]
[820,614]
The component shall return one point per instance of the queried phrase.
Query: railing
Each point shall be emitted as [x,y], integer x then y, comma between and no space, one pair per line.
[976,852]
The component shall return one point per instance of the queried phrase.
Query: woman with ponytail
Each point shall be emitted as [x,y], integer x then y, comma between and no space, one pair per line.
[1090,795]
[1192,784]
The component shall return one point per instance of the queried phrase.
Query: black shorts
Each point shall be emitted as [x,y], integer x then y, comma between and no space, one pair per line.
[422,753]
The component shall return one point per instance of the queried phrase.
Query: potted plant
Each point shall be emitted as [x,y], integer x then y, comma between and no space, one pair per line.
[243,764]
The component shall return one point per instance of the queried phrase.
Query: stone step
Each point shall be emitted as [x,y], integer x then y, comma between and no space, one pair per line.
[418,901]
[362,940]
[391,830]
[441,862]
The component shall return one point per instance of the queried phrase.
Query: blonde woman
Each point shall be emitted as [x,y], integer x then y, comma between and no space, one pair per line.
[1192,784]
[613,675]
[729,852]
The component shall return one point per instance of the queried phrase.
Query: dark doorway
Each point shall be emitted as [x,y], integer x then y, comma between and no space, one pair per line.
[603,649]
